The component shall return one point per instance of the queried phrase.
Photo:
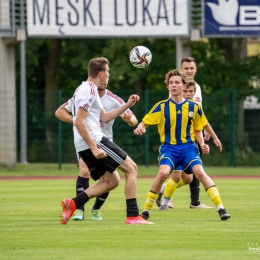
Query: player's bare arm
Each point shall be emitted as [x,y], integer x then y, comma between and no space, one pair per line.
[206,135]
[83,131]
[211,132]
[129,118]
[199,137]
[140,129]
[132,100]
[63,114]
[108,116]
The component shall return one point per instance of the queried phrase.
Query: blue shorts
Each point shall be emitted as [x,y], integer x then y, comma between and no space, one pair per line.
[180,157]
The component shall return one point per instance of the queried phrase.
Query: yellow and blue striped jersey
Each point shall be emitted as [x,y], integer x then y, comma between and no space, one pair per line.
[176,122]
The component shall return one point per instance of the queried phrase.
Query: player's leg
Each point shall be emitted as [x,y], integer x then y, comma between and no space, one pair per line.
[211,190]
[122,161]
[95,210]
[166,159]
[164,171]
[159,199]
[82,184]
[177,180]
[192,163]
[110,181]
[129,168]
[97,168]
[160,195]
[195,191]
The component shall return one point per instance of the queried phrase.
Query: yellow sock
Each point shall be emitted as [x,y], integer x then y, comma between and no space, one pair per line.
[180,183]
[214,195]
[151,198]
[170,187]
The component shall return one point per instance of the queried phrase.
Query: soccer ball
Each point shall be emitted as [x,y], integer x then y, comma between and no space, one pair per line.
[140,57]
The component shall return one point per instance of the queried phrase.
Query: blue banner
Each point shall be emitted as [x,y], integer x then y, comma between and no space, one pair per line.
[231,18]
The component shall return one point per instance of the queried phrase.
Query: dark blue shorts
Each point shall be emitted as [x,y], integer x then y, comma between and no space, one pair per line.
[183,156]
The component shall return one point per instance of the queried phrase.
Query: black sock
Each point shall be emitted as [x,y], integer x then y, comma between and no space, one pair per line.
[195,191]
[81,199]
[132,208]
[81,185]
[100,200]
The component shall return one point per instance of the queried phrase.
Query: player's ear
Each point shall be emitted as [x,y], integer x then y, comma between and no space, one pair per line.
[100,74]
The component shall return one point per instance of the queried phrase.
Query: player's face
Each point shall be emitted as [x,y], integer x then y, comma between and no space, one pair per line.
[104,78]
[189,69]
[175,85]
[189,93]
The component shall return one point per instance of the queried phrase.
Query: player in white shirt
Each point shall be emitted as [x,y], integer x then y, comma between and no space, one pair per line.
[189,69]
[109,101]
[101,155]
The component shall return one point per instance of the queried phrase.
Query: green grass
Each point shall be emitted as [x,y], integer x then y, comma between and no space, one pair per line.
[30,229]
[47,169]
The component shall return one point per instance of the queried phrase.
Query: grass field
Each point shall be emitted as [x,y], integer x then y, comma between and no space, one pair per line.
[30,228]
[45,169]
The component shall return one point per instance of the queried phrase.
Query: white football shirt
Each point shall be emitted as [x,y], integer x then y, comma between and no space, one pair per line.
[198,96]
[86,96]
[110,101]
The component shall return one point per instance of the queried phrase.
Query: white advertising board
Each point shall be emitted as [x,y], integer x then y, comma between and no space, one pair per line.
[107,18]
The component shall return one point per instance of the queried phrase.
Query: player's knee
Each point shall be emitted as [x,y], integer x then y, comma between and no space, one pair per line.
[114,183]
[187,179]
[163,175]
[131,169]
[199,172]
[134,168]
[84,173]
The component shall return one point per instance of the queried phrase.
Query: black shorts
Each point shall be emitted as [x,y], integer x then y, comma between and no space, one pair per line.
[98,167]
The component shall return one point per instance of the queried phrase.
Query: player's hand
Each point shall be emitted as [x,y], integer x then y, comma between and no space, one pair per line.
[132,100]
[206,136]
[205,148]
[98,153]
[140,129]
[218,144]
[126,116]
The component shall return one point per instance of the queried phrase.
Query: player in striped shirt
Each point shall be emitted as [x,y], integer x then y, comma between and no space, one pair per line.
[101,155]
[189,69]
[180,122]
[169,188]
[109,101]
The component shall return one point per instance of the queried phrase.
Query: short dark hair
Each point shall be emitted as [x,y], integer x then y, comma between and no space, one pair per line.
[191,83]
[97,65]
[188,59]
[174,72]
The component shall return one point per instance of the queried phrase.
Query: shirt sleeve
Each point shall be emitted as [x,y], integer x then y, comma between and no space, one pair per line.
[118,102]
[68,105]
[200,120]
[154,116]
[88,97]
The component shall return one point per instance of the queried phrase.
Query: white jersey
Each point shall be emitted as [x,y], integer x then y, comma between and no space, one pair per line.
[110,101]
[198,97]
[86,96]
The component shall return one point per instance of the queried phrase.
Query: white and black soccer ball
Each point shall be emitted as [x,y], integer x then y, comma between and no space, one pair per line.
[140,56]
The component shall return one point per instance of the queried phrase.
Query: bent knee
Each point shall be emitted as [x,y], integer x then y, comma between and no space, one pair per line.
[163,175]
[115,183]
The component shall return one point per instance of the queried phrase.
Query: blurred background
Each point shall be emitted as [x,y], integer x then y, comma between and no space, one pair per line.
[228,71]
